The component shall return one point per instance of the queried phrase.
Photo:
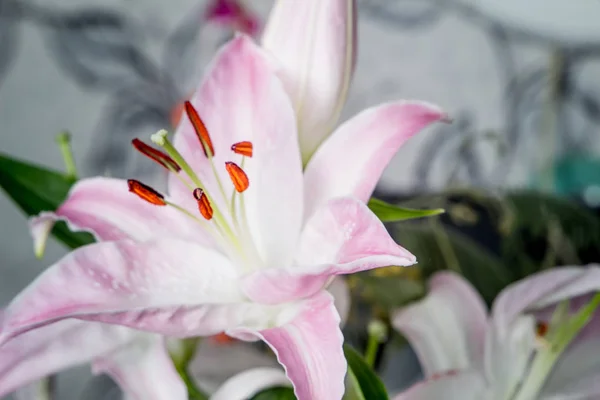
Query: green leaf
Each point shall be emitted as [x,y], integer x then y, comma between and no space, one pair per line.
[276,393]
[387,212]
[35,189]
[366,380]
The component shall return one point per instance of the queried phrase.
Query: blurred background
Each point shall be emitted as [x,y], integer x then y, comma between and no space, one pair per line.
[518,171]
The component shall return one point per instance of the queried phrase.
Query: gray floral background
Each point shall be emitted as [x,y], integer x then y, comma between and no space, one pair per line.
[520,78]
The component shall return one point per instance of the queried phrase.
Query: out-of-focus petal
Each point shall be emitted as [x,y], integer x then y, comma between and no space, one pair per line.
[352,159]
[110,277]
[447,328]
[576,374]
[461,385]
[540,290]
[52,348]
[144,370]
[104,207]
[507,357]
[241,99]
[315,43]
[310,349]
[342,238]
[248,383]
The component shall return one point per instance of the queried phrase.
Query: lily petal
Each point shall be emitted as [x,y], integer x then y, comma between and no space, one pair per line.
[144,370]
[104,207]
[248,383]
[576,374]
[342,238]
[462,385]
[447,328]
[241,99]
[123,276]
[540,290]
[310,349]
[507,357]
[352,159]
[52,348]
[315,43]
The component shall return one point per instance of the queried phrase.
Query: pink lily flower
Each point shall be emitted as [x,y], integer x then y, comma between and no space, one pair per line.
[245,243]
[514,353]
[135,360]
[315,44]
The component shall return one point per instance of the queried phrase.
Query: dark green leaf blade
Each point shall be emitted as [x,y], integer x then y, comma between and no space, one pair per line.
[35,189]
[371,386]
[387,212]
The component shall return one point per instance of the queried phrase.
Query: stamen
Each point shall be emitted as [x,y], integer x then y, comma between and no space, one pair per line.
[156,155]
[146,193]
[238,176]
[541,329]
[203,204]
[200,128]
[244,148]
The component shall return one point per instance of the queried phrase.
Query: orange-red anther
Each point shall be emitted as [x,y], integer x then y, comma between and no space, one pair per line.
[145,192]
[223,339]
[156,155]
[203,204]
[200,129]
[244,148]
[541,329]
[237,176]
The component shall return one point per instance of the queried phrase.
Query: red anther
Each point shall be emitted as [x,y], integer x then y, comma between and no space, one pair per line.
[156,155]
[200,129]
[244,148]
[203,204]
[541,328]
[145,192]
[237,176]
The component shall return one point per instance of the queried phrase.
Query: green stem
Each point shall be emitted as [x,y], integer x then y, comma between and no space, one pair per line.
[182,362]
[64,143]
[371,351]
[377,331]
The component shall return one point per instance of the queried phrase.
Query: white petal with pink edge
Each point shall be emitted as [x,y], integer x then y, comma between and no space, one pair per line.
[309,346]
[55,347]
[351,161]
[123,276]
[343,237]
[314,42]
[144,370]
[447,328]
[535,292]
